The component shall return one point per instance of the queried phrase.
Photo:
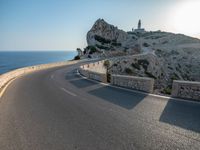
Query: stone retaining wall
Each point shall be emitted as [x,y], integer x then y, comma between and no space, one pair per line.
[186,89]
[93,75]
[97,72]
[137,83]
[5,78]
[181,89]
[95,67]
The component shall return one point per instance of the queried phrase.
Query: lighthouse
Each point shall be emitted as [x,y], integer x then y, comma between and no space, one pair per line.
[139,28]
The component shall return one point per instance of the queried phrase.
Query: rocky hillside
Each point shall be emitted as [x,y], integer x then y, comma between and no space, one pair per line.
[159,55]
[108,40]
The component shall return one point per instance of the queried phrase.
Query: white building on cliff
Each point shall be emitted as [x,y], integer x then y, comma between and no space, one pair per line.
[139,29]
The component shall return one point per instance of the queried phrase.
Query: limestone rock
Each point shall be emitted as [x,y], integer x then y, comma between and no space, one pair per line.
[108,37]
[161,55]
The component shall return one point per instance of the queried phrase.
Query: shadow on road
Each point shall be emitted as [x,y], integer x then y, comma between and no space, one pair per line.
[72,77]
[182,114]
[82,83]
[119,97]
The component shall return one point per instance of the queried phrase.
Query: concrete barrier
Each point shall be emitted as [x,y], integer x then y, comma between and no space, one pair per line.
[137,83]
[5,78]
[186,89]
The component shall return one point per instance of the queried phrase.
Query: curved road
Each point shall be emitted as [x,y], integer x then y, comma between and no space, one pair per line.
[55,109]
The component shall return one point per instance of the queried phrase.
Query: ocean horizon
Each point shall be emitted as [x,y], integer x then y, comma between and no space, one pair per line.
[15,59]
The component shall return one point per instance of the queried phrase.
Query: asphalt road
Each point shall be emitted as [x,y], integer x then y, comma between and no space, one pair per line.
[55,109]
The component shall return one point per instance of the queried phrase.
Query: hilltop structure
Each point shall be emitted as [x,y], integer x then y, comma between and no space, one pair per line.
[160,55]
[139,29]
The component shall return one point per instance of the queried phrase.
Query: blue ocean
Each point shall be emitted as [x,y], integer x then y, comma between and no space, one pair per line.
[10,60]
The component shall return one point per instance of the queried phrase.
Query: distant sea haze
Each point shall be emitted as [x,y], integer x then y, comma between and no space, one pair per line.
[10,60]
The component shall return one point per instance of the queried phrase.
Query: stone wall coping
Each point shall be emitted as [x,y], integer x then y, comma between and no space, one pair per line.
[133,77]
[186,82]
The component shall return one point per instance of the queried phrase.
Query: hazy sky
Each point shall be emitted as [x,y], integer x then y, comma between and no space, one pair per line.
[63,24]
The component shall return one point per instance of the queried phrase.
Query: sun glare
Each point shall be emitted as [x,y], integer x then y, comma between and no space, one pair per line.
[186,16]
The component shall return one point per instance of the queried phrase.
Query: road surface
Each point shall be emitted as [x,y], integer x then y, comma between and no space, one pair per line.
[55,109]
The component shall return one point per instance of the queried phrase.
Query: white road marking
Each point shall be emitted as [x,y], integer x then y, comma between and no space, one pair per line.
[52,76]
[70,93]
[4,88]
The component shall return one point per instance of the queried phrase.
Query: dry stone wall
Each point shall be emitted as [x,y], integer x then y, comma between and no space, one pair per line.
[137,83]
[94,71]
[186,89]
[181,89]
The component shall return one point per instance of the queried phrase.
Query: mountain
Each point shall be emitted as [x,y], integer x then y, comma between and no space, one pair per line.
[160,55]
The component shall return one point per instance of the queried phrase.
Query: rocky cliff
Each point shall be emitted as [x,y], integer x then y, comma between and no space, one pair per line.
[160,55]
[109,40]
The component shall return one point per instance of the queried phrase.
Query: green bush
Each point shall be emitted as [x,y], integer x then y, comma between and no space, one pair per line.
[116,44]
[101,39]
[144,63]
[145,44]
[106,63]
[135,65]
[90,47]
[167,90]
[102,47]
[77,57]
[174,77]
[128,71]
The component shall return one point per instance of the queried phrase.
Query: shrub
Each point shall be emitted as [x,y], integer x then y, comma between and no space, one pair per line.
[167,90]
[84,51]
[77,57]
[144,63]
[145,44]
[90,47]
[128,71]
[106,64]
[102,47]
[135,65]
[101,39]
[89,56]
[174,77]
[116,44]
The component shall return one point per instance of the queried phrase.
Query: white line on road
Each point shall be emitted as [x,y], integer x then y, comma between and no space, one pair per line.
[70,93]
[52,76]
[4,88]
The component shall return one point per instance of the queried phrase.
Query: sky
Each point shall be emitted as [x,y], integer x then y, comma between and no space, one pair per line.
[63,24]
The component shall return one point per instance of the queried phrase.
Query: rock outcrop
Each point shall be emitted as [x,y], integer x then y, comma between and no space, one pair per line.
[160,55]
[106,38]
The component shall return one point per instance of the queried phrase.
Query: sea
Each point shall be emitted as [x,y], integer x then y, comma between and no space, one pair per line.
[11,60]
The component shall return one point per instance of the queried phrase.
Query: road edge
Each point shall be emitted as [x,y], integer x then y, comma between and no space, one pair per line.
[136,91]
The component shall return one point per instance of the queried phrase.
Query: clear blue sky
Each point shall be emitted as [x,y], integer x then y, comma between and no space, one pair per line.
[63,24]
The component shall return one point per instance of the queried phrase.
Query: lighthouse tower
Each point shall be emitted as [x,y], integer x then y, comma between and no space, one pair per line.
[139,24]
[139,28]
